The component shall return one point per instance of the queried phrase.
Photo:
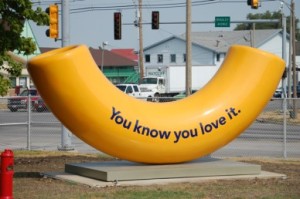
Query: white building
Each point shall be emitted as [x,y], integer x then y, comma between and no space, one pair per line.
[209,48]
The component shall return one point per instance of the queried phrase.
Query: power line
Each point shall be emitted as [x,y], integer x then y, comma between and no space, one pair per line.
[120,6]
[149,6]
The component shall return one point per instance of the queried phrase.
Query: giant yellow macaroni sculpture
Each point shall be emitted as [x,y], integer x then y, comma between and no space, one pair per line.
[81,97]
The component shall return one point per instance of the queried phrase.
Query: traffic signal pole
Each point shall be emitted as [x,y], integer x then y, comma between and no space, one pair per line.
[66,135]
[65,22]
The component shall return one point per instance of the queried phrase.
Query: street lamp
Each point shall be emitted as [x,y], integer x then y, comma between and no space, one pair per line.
[105,43]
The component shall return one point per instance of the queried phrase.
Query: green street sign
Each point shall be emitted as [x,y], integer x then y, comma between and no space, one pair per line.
[222,21]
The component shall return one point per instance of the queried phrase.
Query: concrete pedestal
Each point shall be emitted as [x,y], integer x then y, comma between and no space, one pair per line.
[125,170]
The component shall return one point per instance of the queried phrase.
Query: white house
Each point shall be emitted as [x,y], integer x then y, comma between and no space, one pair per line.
[209,48]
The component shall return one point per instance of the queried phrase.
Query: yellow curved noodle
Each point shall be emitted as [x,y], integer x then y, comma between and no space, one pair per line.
[101,115]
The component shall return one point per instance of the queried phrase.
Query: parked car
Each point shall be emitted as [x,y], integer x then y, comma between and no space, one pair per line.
[183,94]
[279,93]
[40,105]
[21,101]
[130,89]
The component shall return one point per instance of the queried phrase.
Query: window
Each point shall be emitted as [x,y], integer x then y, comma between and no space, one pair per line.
[121,87]
[184,58]
[173,58]
[161,82]
[160,58]
[129,89]
[31,83]
[149,80]
[136,89]
[22,82]
[218,57]
[147,58]
[13,82]
[26,93]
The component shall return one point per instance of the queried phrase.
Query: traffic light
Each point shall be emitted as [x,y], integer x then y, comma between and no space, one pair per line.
[117,25]
[253,3]
[155,20]
[52,11]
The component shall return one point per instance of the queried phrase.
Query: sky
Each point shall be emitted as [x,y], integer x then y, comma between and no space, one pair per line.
[91,21]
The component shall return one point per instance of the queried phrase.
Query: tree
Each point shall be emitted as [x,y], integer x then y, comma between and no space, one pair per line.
[13,13]
[268,15]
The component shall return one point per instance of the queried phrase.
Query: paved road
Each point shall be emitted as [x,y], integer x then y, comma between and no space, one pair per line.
[260,139]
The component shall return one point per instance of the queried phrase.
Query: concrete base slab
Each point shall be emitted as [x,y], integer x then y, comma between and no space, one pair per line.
[116,171]
[98,183]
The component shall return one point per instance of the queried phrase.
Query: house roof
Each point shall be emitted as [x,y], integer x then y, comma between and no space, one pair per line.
[126,52]
[28,33]
[220,41]
[110,58]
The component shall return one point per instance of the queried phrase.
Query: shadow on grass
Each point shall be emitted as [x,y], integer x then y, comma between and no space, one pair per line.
[28,175]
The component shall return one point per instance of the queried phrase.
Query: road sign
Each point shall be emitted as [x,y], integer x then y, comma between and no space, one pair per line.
[222,21]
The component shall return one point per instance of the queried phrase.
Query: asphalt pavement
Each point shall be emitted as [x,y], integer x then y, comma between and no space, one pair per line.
[44,133]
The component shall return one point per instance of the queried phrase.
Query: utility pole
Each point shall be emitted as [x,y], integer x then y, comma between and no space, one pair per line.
[66,135]
[284,37]
[188,70]
[295,81]
[290,64]
[283,80]
[141,46]
[252,36]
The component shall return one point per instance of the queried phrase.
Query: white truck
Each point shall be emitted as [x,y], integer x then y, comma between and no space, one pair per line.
[130,89]
[168,81]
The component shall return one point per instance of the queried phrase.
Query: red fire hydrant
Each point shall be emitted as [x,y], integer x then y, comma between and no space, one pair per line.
[6,174]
